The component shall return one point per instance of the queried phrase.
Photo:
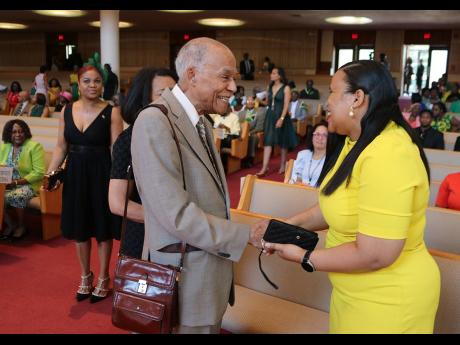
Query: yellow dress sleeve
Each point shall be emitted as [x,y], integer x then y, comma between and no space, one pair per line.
[386,190]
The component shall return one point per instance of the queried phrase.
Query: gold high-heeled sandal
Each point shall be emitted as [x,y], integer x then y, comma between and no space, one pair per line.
[101,291]
[86,287]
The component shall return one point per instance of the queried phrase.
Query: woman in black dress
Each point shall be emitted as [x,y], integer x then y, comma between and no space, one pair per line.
[147,86]
[278,128]
[87,129]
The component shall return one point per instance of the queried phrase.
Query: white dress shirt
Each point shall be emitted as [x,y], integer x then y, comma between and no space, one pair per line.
[187,105]
[292,109]
[307,168]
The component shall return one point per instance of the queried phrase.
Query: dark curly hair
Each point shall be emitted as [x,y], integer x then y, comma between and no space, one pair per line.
[8,130]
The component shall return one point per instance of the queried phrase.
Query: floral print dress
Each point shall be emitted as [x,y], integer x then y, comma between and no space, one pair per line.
[20,195]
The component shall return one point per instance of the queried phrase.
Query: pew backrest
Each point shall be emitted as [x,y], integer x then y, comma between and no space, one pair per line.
[442,157]
[442,230]
[434,190]
[439,171]
[449,140]
[277,199]
[448,314]
[294,284]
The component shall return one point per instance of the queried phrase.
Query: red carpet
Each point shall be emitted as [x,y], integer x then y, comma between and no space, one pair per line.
[39,280]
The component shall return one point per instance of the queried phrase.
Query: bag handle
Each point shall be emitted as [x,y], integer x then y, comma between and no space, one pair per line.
[131,178]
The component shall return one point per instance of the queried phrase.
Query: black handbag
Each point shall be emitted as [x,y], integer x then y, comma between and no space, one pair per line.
[53,177]
[284,233]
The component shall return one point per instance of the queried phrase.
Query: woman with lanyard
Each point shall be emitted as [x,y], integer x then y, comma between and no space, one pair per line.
[309,163]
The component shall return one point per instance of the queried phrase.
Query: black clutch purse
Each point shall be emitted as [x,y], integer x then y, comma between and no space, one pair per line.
[280,232]
[52,178]
[284,233]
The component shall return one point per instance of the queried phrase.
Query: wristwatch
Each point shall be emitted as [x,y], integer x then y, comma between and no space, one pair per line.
[307,265]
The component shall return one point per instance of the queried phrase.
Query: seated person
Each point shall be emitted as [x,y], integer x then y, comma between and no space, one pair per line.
[412,116]
[309,163]
[53,91]
[27,158]
[426,98]
[256,119]
[13,95]
[430,137]
[248,114]
[24,105]
[449,192]
[229,122]
[309,92]
[65,98]
[444,122]
[297,109]
[39,108]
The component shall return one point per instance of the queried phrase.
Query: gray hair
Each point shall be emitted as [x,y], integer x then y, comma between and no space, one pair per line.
[191,54]
[195,54]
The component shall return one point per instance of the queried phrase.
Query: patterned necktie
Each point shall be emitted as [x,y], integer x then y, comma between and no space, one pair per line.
[202,133]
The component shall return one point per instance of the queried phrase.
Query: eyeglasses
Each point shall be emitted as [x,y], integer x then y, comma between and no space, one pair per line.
[18,132]
[320,135]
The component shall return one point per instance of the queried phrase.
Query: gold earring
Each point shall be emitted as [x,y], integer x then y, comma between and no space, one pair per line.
[351,113]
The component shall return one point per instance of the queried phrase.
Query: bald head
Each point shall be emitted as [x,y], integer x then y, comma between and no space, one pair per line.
[196,53]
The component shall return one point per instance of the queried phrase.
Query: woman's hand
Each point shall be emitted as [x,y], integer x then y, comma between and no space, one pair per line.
[288,252]
[279,123]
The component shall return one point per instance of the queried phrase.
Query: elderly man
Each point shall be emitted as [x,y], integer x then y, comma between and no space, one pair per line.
[198,215]
[24,105]
[256,118]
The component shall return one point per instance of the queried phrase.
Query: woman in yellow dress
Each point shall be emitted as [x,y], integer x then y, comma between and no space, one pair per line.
[53,91]
[373,200]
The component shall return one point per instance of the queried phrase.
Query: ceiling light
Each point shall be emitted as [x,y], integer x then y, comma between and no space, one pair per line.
[348,20]
[12,26]
[220,22]
[61,13]
[121,25]
[181,11]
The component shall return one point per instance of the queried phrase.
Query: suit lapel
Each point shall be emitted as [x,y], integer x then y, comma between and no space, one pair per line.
[189,132]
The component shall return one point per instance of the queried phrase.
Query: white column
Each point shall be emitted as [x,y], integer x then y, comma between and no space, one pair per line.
[110,40]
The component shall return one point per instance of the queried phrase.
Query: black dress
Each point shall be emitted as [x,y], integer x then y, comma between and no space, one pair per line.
[85,204]
[121,158]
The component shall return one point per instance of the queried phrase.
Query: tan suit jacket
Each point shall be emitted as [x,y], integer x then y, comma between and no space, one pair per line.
[198,215]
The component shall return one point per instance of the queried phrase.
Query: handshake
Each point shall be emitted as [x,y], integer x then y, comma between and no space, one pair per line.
[257,233]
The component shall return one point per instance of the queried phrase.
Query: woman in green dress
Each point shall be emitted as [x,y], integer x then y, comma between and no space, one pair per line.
[40,109]
[278,128]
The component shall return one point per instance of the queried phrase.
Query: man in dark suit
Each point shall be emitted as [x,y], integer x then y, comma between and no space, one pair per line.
[111,86]
[309,92]
[247,68]
[430,137]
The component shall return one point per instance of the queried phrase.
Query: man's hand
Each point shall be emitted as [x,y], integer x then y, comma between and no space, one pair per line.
[257,233]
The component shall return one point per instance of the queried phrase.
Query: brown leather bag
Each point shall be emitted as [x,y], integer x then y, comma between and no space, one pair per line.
[145,298]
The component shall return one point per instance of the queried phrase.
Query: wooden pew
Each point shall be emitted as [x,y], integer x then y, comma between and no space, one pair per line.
[239,149]
[448,314]
[261,309]
[442,230]
[449,140]
[31,121]
[301,305]
[276,199]
[439,171]
[434,189]
[288,171]
[442,157]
